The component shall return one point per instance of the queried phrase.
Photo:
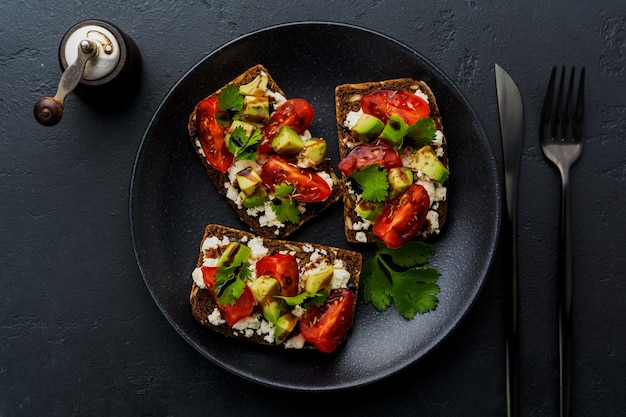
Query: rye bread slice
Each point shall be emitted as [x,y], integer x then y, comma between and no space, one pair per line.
[347,99]
[219,179]
[203,305]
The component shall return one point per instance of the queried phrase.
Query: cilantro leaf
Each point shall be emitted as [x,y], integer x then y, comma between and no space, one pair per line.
[376,288]
[286,210]
[230,100]
[421,133]
[283,190]
[306,299]
[415,290]
[229,293]
[373,180]
[242,146]
[412,253]
[400,276]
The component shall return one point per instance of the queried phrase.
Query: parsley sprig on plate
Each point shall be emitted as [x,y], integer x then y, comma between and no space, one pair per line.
[401,276]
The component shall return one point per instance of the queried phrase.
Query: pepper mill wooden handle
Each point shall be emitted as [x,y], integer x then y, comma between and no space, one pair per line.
[95,54]
[48,111]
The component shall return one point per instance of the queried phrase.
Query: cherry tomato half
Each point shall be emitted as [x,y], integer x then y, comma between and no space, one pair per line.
[326,326]
[232,313]
[403,217]
[385,103]
[282,267]
[309,186]
[296,113]
[212,135]
[366,154]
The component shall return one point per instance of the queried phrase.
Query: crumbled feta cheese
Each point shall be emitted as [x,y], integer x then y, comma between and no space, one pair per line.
[438,140]
[340,279]
[267,217]
[211,262]
[421,94]
[258,250]
[351,118]
[361,237]
[364,225]
[296,342]
[196,275]
[199,148]
[297,311]
[433,218]
[250,322]
[279,98]
[232,193]
[215,318]
[327,178]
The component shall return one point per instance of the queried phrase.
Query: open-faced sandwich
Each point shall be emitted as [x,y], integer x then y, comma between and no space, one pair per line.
[393,160]
[257,149]
[274,292]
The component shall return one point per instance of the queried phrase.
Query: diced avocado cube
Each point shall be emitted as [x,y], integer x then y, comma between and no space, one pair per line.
[313,153]
[284,325]
[319,279]
[287,141]
[259,197]
[256,109]
[427,162]
[235,251]
[255,87]
[264,287]
[400,179]
[369,210]
[394,131]
[367,128]
[247,127]
[248,180]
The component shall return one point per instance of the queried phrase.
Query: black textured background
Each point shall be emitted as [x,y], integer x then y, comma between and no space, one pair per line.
[80,334]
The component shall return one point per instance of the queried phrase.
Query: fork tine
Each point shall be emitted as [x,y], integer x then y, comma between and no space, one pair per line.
[568,125]
[580,108]
[558,116]
[546,111]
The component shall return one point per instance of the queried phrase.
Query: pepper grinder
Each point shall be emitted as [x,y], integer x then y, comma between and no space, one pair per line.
[99,61]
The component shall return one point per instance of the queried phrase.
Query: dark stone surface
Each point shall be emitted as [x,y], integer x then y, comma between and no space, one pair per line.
[80,334]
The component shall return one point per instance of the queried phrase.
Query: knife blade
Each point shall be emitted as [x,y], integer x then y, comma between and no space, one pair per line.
[511,112]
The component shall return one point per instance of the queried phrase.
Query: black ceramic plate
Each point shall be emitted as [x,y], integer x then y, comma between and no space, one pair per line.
[172,199]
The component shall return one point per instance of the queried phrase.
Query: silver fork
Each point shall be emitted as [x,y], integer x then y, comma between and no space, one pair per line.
[562,143]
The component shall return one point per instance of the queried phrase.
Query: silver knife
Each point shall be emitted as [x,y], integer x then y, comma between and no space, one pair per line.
[511,113]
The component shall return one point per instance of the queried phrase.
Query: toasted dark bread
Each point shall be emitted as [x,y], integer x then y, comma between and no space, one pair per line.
[347,99]
[203,304]
[219,179]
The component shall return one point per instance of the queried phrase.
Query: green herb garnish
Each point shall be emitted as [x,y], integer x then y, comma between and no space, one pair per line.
[373,180]
[230,100]
[242,146]
[286,210]
[420,133]
[305,299]
[400,276]
[230,279]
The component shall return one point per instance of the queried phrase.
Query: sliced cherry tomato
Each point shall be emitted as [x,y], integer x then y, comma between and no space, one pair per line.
[282,267]
[366,154]
[326,326]
[232,313]
[309,186]
[296,113]
[403,217]
[212,135]
[385,103]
